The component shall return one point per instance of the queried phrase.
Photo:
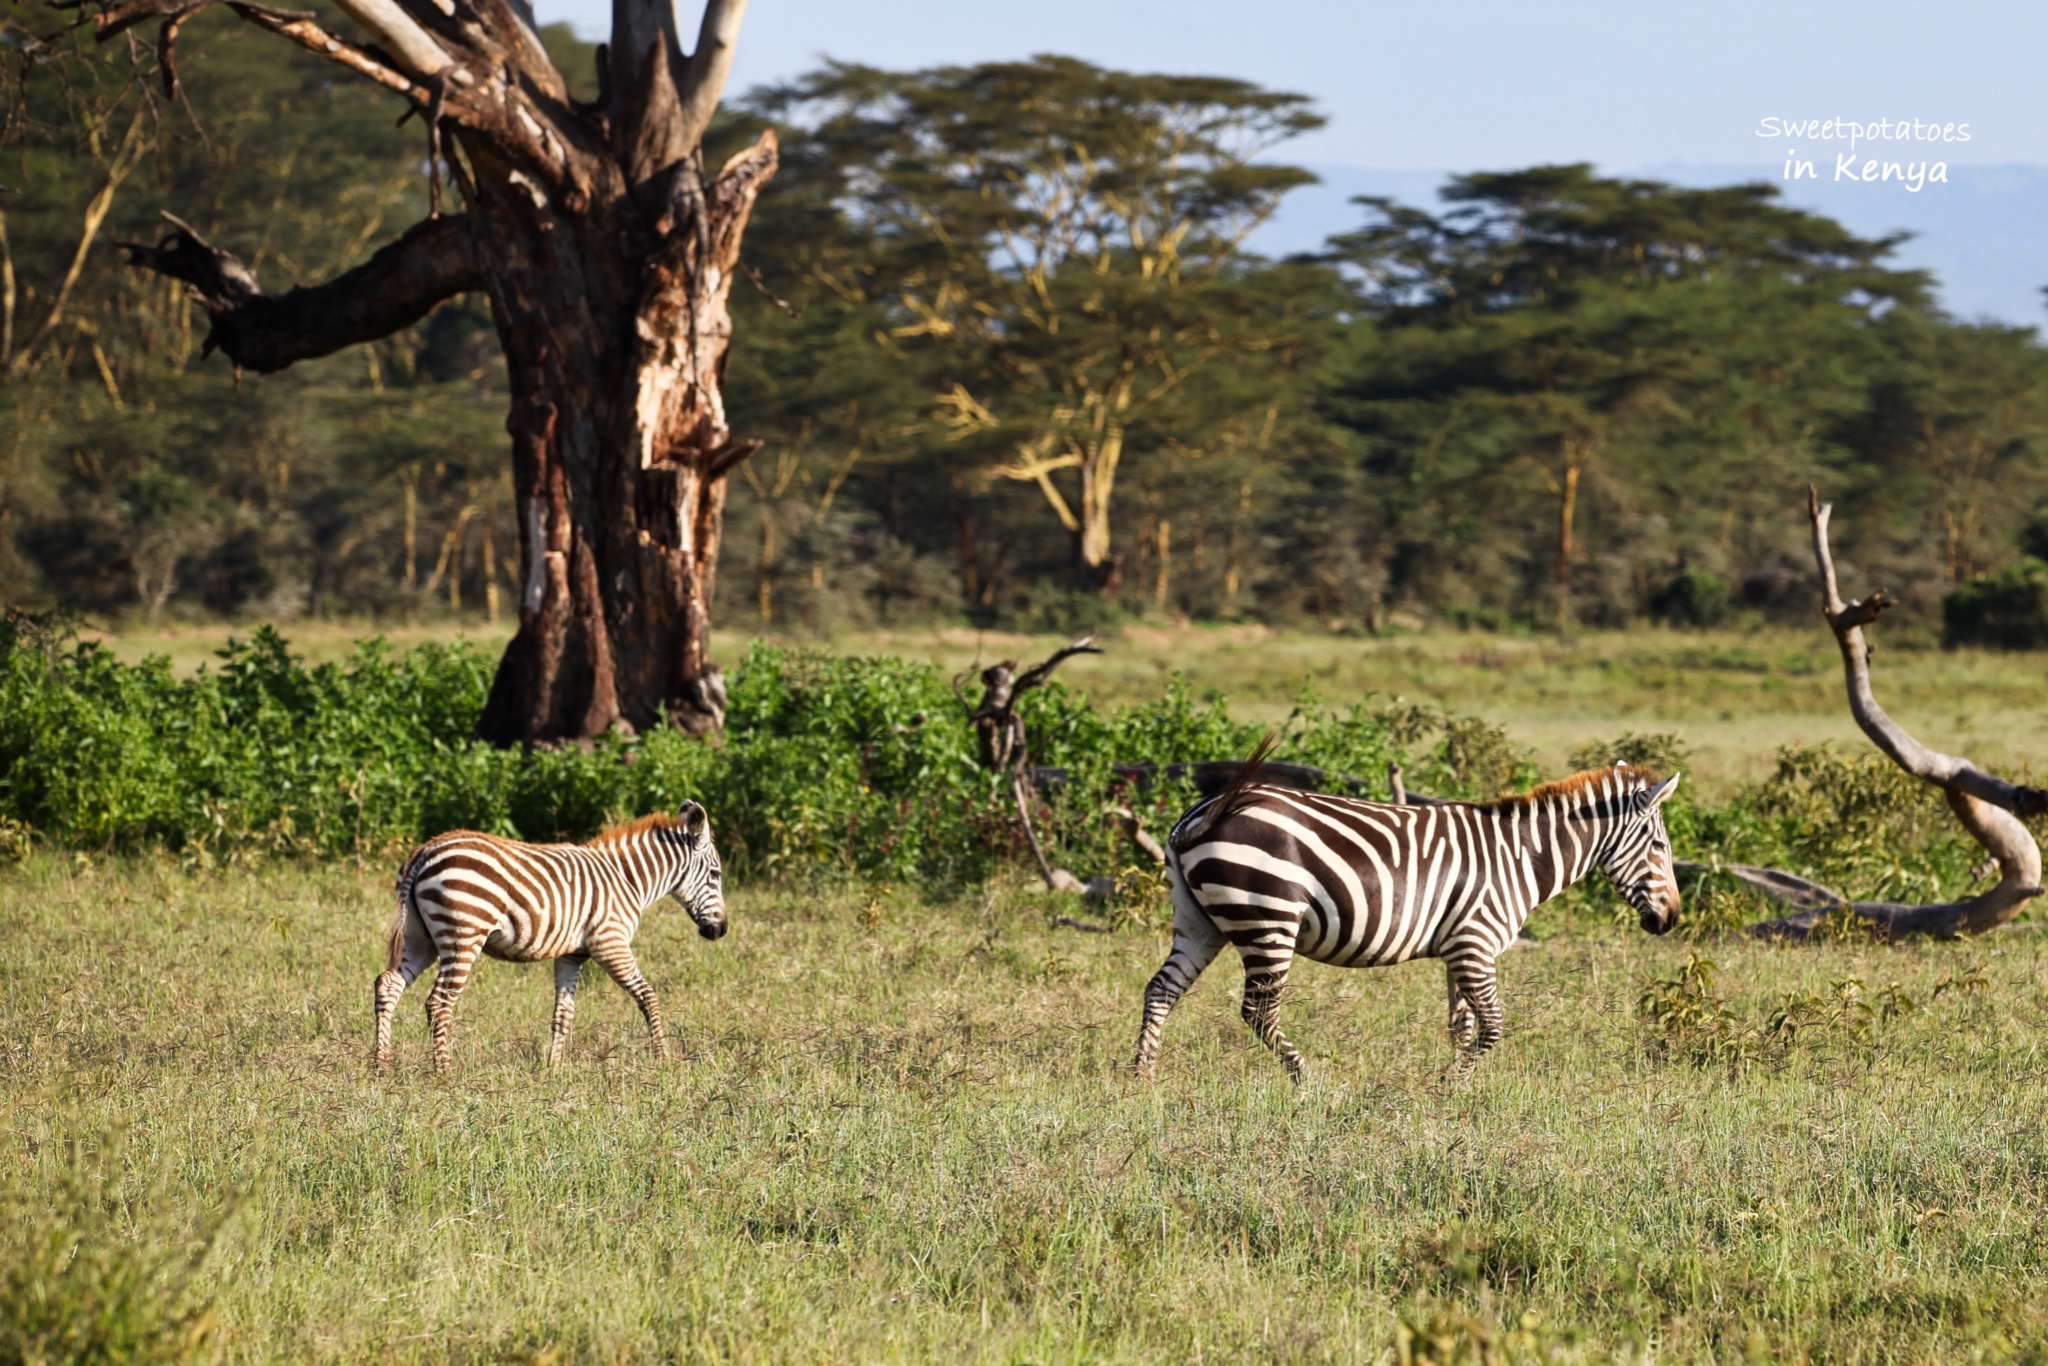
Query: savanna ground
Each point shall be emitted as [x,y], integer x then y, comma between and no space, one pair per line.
[899,1128]
[1734,696]
[901,1131]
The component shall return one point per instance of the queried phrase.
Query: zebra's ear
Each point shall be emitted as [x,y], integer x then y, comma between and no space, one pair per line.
[1662,790]
[692,817]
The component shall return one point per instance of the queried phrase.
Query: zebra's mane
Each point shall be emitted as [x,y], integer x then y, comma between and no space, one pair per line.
[1632,780]
[613,834]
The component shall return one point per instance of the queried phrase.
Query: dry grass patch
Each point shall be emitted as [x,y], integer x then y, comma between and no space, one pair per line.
[901,1131]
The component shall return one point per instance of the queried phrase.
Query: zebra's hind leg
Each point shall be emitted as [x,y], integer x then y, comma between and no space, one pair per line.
[1477,980]
[415,951]
[1196,942]
[1262,993]
[618,960]
[1462,1022]
[458,960]
[567,969]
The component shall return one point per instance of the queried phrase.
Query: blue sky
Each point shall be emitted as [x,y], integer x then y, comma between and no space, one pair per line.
[1415,91]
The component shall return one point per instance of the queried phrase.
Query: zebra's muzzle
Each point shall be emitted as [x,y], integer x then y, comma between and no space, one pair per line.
[712,928]
[1660,917]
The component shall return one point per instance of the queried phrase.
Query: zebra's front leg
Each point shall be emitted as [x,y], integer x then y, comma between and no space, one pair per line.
[1196,942]
[1262,993]
[1477,980]
[618,960]
[567,969]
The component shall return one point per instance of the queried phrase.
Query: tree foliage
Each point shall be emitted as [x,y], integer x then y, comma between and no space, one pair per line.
[1013,361]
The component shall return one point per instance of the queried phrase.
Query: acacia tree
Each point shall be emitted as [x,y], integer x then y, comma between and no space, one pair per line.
[607,254]
[1561,310]
[1061,243]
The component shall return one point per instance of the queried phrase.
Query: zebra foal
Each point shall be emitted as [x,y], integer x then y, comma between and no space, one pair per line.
[463,894]
[1277,874]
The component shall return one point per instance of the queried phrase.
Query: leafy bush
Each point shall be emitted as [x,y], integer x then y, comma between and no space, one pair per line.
[2004,611]
[828,766]
[1690,1020]
[1660,755]
[1855,822]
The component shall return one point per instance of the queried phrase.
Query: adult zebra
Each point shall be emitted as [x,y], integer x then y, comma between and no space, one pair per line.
[463,894]
[1279,873]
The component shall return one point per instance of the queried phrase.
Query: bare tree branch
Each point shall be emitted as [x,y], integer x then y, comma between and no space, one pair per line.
[709,66]
[1847,621]
[1004,747]
[1983,803]
[302,30]
[395,288]
[399,34]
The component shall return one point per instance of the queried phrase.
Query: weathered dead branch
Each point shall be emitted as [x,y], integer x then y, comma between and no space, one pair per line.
[434,260]
[1005,748]
[1986,805]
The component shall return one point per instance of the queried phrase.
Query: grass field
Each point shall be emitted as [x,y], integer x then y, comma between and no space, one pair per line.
[1734,696]
[900,1131]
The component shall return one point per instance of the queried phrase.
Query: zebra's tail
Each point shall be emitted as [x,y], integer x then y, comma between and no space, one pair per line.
[394,951]
[1199,821]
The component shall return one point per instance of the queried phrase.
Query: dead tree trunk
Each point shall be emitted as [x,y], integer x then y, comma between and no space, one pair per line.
[607,254]
[1984,804]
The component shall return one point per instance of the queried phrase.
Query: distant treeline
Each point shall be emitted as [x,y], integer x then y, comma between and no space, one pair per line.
[1012,362]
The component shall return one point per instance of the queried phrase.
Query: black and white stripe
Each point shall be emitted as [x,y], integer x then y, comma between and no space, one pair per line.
[463,894]
[1280,874]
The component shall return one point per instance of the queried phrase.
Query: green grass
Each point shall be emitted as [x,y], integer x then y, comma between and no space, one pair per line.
[901,1131]
[1735,696]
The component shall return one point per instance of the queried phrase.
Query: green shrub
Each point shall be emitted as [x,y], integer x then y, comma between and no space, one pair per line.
[828,765]
[1660,755]
[2003,611]
[1855,822]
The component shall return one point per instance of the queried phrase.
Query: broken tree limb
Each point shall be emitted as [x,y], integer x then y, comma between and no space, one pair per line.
[1787,889]
[1134,829]
[1847,620]
[1983,803]
[396,287]
[1003,747]
[998,730]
